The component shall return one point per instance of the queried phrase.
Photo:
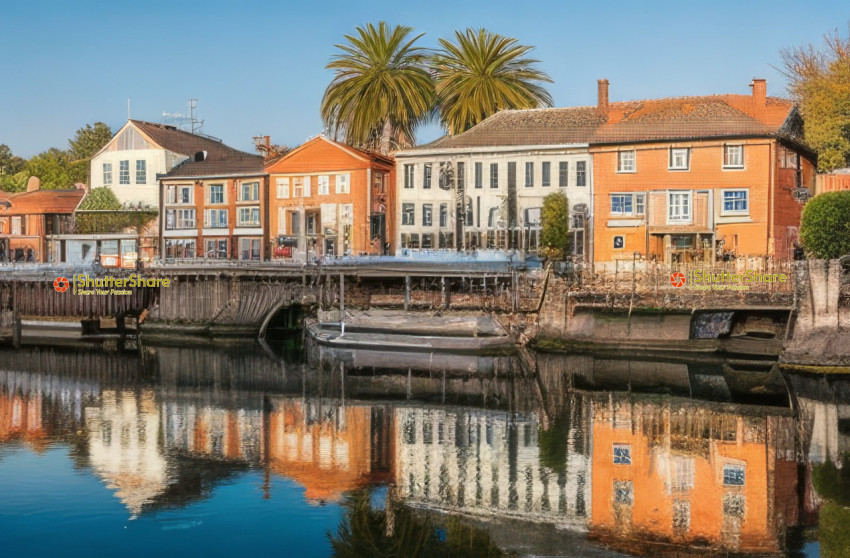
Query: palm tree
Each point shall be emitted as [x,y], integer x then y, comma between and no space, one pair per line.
[382,89]
[483,73]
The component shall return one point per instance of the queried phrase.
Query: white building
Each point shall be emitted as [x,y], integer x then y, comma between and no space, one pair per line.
[131,161]
[484,188]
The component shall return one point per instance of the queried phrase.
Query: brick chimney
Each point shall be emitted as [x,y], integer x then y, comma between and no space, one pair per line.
[33,184]
[759,92]
[602,96]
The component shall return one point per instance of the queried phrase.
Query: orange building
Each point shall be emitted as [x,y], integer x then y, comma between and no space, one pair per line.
[691,178]
[691,475]
[213,206]
[330,199]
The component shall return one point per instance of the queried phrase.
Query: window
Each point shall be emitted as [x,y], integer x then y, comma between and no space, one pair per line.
[679,206]
[493,217]
[736,202]
[17,222]
[249,191]
[180,219]
[733,475]
[626,161]
[311,223]
[427,241]
[581,173]
[622,204]
[346,213]
[249,248]
[623,492]
[294,224]
[343,183]
[683,473]
[216,248]
[124,172]
[408,176]
[461,176]
[141,172]
[444,179]
[216,194]
[479,175]
[324,185]
[215,218]
[281,221]
[298,188]
[529,175]
[563,173]
[426,176]
[283,188]
[577,234]
[733,505]
[107,174]
[179,248]
[494,175]
[249,217]
[619,242]
[532,216]
[407,216]
[547,174]
[733,156]
[788,159]
[444,215]
[622,454]
[640,204]
[426,214]
[178,194]
[468,212]
[681,515]
[680,158]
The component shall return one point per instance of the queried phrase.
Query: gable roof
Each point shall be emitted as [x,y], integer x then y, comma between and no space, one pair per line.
[43,202]
[217,164]
[670,118]
[360,154]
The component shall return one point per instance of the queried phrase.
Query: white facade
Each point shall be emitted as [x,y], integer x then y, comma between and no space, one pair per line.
[489,178]
[129,165]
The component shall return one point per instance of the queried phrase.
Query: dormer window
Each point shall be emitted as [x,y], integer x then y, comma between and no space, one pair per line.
[680,158]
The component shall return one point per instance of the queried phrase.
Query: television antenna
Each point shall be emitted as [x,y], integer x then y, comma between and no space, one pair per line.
[182,120]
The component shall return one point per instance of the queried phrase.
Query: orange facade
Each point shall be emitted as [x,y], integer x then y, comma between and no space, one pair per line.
[214,218]
[329,199]
[697,200]
[689,477]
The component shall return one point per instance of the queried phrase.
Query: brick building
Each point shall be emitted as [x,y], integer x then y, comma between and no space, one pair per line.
[213,206]
[330,199]
[693,178]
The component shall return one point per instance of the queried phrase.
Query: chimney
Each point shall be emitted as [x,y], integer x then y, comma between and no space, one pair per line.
[602,95]
[33,184]
[759,92]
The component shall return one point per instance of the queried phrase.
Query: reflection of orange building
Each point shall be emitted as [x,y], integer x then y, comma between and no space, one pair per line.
[330,448]
[20,418]
[690,476]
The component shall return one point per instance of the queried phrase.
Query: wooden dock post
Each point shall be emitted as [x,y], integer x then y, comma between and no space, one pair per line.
[407,292]
[342,304]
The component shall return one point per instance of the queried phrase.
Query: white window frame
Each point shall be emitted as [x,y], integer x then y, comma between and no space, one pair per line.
[343,183]
[726,148]
[185,219]
[682,216]
[529,174]
[627,161]
[281,221]
[676,151]
[408,214]
[223,194]
[124,172]
[107,174]
[746,199]
[254,192]
[215,248]
[409,174]
[427,215]
[324,184]
[208,220]
[626,197]
[141,171]
[282,188]
[250,222]
[298,187]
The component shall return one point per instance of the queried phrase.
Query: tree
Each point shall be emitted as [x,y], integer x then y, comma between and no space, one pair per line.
[554,222]
[102,212]
[56,169]
[819,80]
[825,225]
[382,88]
[89,140]
[482,73]
[9,163]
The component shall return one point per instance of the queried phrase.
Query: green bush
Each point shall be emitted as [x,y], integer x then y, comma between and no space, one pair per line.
[825,226]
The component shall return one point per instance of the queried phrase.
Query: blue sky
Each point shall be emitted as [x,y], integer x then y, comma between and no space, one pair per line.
[258,67]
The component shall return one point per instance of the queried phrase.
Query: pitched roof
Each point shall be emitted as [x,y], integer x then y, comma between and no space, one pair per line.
[42,202]
[219,163]
[361,154]
[631,121]
[176,140]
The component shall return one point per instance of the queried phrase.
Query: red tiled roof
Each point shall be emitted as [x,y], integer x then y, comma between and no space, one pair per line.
[42,202]
[218,163]
[631,121]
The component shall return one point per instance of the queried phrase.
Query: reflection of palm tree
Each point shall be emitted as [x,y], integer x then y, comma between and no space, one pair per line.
[367,532]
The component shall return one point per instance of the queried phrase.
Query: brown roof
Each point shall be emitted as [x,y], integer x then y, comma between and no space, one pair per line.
[42,202]
[631,121]
[220,159]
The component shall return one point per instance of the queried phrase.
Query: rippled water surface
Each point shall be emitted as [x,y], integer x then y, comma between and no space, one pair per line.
[235,450]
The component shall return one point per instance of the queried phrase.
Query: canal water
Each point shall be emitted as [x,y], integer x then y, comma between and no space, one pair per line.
[230,450]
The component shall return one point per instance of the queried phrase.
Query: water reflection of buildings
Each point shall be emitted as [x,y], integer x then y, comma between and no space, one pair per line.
[682,472]
[489,463]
